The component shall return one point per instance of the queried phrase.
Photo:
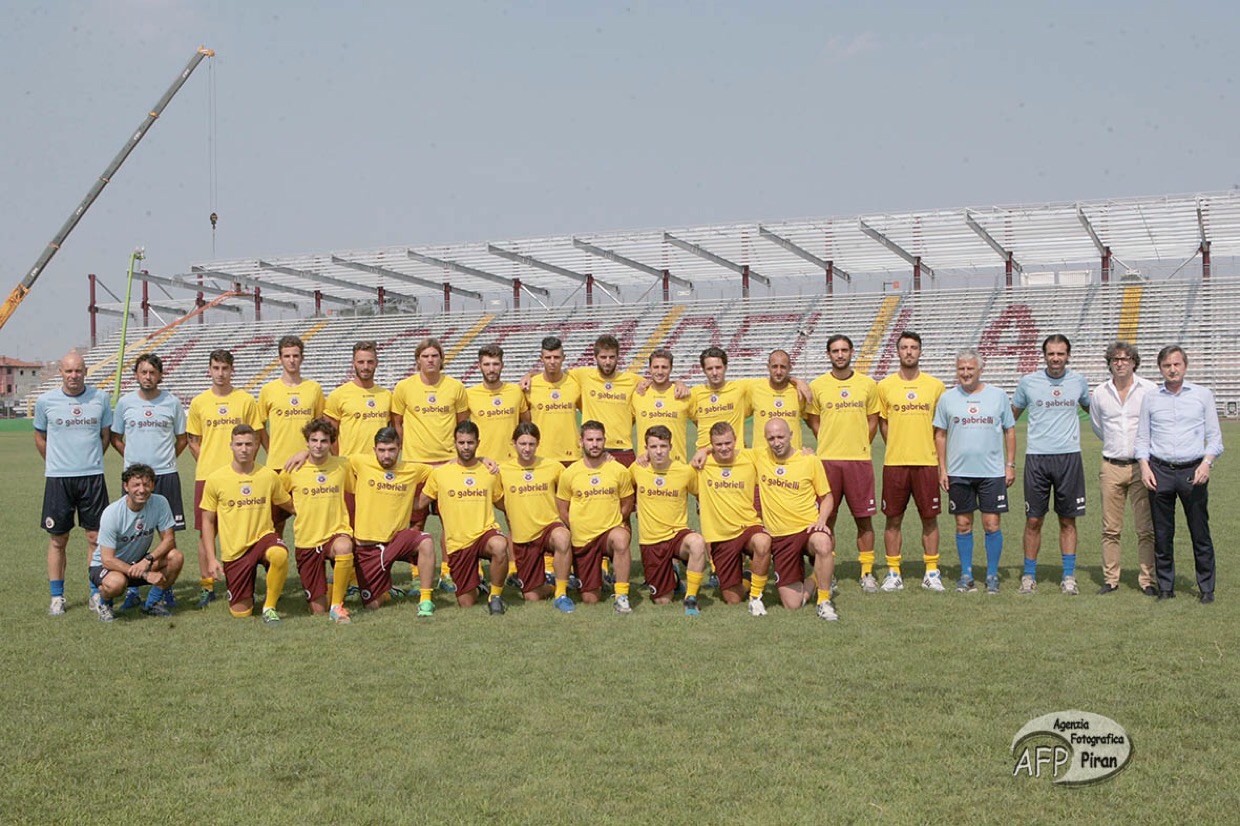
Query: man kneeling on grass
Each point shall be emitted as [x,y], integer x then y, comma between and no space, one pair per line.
[124,556]
[236,503]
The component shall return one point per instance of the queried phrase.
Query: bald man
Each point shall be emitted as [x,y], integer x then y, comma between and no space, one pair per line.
[72,429]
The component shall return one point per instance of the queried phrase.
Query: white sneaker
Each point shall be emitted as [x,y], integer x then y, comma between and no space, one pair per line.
[1068,586]
[933,581]
[868,584]
[57,608]
[756,608]
[621,604]
[97,605]
[1027,584]
[826,611]
[893,582]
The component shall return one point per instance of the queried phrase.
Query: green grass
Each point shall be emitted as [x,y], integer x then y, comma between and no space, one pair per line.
[903,712]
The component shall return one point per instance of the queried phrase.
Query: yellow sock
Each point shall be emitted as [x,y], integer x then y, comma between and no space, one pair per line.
[512,567]
[277,572]
[824,596]
[340,577]
[549,564]
[622,589]
[444,570]
[561,587]
[606,565]
[866,558]
[496,590]
[757,585]
[207,583]
[413,572]
[693,581]
[893,563]
[932,562]
[482,574]
[425,593]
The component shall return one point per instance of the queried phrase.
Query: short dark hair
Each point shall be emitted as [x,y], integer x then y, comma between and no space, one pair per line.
[148,358]
[658,431]
[138,469]
[840,337]
[909,334]
[662,353]
[1119,346]
[606,342]
[466,426]
[720,428]
[526,429]
[552,343]
[221,355]
[365,345]
[387,435]
[243,429]
[291,341]
[593,424]
[1056,338]
[713,353]
[323,425]
[1166,352]
[492,350]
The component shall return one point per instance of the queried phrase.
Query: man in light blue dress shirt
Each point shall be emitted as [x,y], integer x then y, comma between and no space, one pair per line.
[1178,439]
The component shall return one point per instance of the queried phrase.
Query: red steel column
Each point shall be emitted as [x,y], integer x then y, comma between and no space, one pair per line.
[830,273]
[91,309]
[589,290]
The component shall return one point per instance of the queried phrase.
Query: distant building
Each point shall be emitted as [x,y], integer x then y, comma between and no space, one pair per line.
[18,379]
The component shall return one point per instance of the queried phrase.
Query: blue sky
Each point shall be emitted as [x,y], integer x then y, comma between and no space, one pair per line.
[369,124]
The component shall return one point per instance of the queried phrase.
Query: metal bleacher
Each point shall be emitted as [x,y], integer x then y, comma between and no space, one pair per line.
[1005,324]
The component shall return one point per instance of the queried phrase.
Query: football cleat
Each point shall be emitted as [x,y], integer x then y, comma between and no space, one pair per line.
[933,581]
[1027,584]
[156,609]
[826,611]
[691,607]
[57,607]
[426,608]
[270,616]
[869,584]
[893,582]
[564,604]
[992,584]
[339,615]
[621,604]
[756,608]
[447,585]
[99,607]
[205,597]
[1068,586]
[132,599]
[495,605]
[966,585]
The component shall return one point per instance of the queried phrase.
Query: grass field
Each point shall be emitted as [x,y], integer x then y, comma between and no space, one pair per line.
[902,712]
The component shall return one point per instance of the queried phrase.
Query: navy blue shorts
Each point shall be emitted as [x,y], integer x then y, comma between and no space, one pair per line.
[65,496]
[1061,471]
[966,494]
[168,485]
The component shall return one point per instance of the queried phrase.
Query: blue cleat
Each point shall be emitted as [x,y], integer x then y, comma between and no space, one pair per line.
[132,599]
[564,604]
[691,607]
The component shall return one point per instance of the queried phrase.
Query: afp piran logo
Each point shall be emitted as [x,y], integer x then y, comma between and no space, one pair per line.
[1072,748]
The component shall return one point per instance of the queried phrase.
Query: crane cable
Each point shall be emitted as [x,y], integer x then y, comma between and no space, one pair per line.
[212,150]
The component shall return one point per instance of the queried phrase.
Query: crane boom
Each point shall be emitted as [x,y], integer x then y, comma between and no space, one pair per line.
[23,289]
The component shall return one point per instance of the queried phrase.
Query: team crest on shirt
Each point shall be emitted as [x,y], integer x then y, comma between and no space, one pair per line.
[148,412]
[321,478]
[555,394]
[430,398]
[370,402]
[293,400]
[496,401]
[222,410]
[469,481]
[910,395]
[658,481]
[1055,391]
[245,490]
[714,397]
[528,476]
[658,404]
[974,409]
[389,476]
[779,402]
[139,526]
[606,385]
[844,393]
[594,480]
[779,471]
[77,411]
[726,473]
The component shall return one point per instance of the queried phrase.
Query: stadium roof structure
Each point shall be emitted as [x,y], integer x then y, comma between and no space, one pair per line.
[625,266]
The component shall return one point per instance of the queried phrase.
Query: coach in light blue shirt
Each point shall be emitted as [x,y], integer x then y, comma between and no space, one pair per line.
[1052,457]
[1178,438]
[148,428]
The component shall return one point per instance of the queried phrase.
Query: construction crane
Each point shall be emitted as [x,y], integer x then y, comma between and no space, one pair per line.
[23,289]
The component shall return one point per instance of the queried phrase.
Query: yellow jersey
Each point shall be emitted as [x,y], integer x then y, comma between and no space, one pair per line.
[766,403]
[662,500]
[662,407]
[383,497]
[726,497]
[211,418]
[789,490]
[593,496]
[729,403]
[429,414]
[908,406]
[361,412]
[610,401]
[496,412]
[843,407]
[466,497]
[286,409]
[242,504]
[318,495]
[553,407]
[529,496]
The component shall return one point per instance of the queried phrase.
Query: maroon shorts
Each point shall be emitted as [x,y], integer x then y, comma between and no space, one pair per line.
[373,563]
[529,558]
[239,574]
[919,481]
[624,457]
[657,564]
[787,555]
[852,479]
[463,562]
[311,567]
[588,561]
[199,485]
[726,556]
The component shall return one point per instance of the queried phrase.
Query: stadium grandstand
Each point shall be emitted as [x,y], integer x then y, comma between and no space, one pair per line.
[995,278]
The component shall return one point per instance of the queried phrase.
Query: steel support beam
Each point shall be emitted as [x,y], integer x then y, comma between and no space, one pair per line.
[921,266]
[405,277]
[617,258]
[718,260]
[464,269]
[209,290]
[311,275]
[1204,249]
[1103,249]
[804,254]
[279,288]
[581,278]
[1010,263]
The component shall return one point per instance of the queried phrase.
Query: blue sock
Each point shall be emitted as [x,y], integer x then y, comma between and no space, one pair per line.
[1031,567]
[994,546]
[153,596]
[94,589]
[1069,564]
[964,550]
[57,587]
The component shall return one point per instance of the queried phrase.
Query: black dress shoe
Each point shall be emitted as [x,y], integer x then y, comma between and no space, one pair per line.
[1206,597]
[1107,588]
[1150,591]
[1166,595]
